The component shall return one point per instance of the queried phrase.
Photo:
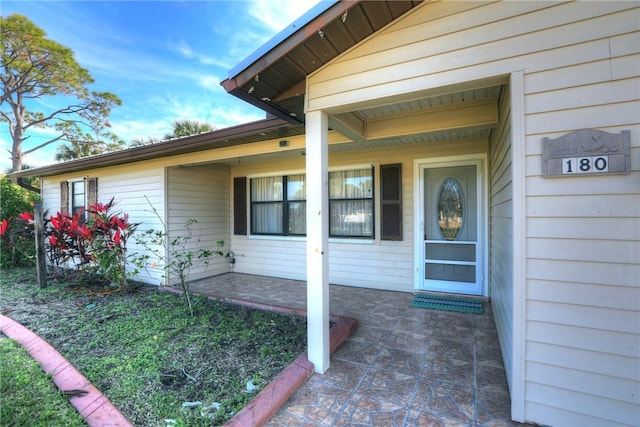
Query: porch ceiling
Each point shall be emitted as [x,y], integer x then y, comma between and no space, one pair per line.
[439,118]
[460,116]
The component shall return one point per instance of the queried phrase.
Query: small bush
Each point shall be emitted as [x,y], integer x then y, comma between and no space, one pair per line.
[94,244]
[17,247]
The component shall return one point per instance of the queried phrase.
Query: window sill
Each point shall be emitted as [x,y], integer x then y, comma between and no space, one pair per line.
[333,240]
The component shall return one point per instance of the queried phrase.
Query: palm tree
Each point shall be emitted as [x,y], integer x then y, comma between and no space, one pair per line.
[188,127]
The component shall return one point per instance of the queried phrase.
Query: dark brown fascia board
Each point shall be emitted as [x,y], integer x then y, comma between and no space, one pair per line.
[309,30]
[226,137]
[265,106]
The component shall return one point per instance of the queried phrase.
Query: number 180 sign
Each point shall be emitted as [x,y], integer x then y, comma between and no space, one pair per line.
[586,152]
[594,164]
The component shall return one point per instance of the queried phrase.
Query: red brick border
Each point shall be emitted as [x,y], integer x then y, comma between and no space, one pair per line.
[277,392]
[94,407]
[98,411]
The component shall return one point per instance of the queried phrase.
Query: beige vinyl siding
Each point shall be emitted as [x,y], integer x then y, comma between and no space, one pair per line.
[583,246]
[363,263]
[200,193]
[424,51]
[128,186]
[581,66]
[501,231]
[50,188]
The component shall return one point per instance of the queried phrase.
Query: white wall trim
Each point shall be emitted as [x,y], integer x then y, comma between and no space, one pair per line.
[165,212]
[518,161]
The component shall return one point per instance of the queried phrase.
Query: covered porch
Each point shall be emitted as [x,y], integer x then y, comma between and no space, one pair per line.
[401,366]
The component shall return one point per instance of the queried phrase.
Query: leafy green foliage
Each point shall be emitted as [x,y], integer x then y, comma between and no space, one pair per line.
[17,247]
[139,142]
[35,67]
[27,395]
[14,199]
[188,127]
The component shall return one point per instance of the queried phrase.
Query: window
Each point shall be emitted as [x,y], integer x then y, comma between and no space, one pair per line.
[76,195]
[351,203]
[278,205]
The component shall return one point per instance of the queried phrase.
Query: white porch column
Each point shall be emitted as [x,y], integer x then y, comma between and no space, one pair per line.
[317,150]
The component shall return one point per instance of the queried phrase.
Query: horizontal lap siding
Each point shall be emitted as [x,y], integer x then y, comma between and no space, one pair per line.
[583,245]
[130,187]
[433,54]
[200,193]
[51,195]
[375,264]
[581,65]
[501,232]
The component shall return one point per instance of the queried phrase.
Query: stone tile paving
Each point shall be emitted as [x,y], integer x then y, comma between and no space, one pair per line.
[403,366]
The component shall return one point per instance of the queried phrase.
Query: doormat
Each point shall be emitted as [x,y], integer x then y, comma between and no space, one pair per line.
[458,304]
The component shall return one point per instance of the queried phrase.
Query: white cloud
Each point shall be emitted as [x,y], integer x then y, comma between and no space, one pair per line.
[163,109]
[129,130]
[212,84]
[268,18]
[278,14]
[184,49]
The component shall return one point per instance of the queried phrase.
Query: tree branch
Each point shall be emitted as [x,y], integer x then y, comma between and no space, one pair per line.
[44,144]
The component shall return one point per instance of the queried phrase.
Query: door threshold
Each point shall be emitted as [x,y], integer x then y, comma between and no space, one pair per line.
[453,295]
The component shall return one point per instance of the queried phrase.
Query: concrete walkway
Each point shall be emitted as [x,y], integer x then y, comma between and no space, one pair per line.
[403,366]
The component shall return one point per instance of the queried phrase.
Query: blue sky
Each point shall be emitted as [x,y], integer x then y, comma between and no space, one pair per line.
[164,59]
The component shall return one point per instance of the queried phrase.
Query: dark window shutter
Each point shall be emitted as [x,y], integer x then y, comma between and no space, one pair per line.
[240,205]
[391,188]
[64,197]
[92,191]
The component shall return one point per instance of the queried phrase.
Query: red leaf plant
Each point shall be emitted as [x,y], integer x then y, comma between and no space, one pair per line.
[26,216]
[4,226]
[67,244]
[15,235]
[95,240]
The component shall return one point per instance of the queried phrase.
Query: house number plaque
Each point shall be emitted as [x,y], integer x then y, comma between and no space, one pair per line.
[586,152]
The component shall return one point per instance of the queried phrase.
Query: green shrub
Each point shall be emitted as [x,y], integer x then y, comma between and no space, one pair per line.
[17,247]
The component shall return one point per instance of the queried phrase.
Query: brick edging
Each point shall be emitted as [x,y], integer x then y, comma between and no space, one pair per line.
[93,406]
[277,392]
[98,411]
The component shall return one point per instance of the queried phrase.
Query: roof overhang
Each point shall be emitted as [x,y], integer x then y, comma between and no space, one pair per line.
[273,78]
[270,128]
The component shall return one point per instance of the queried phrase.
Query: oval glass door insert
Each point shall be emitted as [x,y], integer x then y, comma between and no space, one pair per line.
[450,209]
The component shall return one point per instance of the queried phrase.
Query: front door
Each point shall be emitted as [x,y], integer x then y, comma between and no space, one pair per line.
[452,247]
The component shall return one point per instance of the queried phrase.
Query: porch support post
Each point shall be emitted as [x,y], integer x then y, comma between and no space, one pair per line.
[317,150]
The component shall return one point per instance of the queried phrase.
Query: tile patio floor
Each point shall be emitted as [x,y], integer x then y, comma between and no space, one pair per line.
[403,366]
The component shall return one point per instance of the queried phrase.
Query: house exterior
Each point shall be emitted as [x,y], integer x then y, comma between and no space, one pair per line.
[480,148]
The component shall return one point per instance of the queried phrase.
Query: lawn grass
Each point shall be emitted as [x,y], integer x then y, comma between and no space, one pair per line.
[149,356]
[28,396]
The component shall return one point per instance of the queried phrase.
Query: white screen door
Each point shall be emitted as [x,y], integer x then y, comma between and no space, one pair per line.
[452,247]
